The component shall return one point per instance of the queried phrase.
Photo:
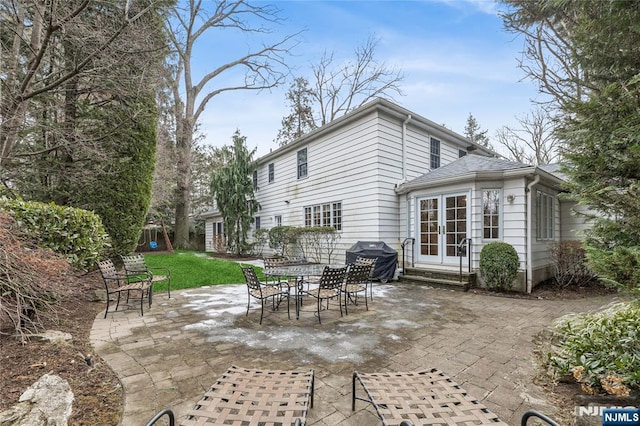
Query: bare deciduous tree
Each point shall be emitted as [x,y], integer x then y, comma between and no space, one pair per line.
[335,89]
[264,68]
[532,142]
[548,57]
[338,89]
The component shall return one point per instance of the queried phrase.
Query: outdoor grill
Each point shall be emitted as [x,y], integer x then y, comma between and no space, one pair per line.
[387,257]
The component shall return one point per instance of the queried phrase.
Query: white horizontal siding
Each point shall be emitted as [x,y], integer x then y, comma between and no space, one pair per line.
[358,164]
[541,249]
[572,221]
[208,236]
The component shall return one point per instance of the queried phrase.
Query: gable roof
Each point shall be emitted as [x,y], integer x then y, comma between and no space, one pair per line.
[379,105]
[471,167]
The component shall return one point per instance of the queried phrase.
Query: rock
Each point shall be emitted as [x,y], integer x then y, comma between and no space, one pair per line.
[52,336]
[47,402]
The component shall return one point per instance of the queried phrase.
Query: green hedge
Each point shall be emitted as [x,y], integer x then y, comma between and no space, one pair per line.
[74,233]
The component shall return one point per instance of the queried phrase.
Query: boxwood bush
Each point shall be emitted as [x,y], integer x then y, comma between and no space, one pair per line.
[76,234]
[499,265]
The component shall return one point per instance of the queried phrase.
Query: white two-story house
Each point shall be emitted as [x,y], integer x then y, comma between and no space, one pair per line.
[384,173]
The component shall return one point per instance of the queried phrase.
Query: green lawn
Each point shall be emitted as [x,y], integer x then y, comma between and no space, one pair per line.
[193,269]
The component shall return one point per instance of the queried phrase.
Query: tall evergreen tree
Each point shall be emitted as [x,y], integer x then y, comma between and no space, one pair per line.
[598,92]
[77,111]
[474,132]
[300,121]
[233,189]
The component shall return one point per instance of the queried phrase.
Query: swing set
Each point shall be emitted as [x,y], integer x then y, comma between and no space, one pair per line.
[150,240]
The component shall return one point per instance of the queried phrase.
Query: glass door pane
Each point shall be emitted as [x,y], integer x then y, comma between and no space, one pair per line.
[456,223]
[429,227]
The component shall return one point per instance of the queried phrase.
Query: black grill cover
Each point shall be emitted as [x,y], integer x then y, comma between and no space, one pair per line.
[387,257]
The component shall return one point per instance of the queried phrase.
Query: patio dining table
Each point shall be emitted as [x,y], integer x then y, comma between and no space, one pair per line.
[298,272]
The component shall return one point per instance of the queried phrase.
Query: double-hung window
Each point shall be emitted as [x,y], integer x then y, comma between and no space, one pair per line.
[255,179]
[491,214]
[271,172]
[435,153]
[302,163]
[257,222]
[545,216]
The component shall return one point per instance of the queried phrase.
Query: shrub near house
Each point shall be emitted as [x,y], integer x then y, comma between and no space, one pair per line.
[499,265]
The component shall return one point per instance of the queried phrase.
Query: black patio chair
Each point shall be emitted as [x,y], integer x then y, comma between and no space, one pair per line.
[329,287]
[356,282]
[264,291]
[116,284]
[135,266]
[369,262]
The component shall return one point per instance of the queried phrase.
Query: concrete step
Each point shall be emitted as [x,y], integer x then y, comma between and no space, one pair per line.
[435,282]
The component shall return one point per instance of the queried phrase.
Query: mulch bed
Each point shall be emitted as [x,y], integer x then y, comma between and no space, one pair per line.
[97,390]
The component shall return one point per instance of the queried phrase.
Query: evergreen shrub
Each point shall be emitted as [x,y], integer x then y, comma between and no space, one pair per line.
[600,349]
[499,265]
[76,234]
[618,266]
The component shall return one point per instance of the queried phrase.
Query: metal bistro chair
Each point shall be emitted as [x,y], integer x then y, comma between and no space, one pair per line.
[329,287]
[116,284]
[369,262]
[135,265]
[263,291]
[356,282]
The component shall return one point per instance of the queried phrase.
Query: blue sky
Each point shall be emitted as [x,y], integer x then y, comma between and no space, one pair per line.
[455,56]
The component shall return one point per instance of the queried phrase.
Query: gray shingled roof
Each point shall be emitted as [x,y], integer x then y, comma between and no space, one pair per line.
[468,164]
[554,169]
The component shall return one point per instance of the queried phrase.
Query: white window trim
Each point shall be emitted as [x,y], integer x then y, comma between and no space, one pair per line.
[550,217]
[500,217]
[319,208]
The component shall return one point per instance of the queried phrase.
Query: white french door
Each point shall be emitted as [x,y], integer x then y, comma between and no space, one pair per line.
[442,224]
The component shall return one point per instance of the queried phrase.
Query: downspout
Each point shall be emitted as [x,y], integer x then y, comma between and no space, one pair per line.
[404,174]
[529,270]
[404,148]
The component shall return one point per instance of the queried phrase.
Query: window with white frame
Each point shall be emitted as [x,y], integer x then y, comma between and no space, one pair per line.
[278,220]
[271,172]
[461,153]
[435,153]
[491,214]
[255,179]
[545,216]
[257,218]
[326,214]
[302,163]
[336,221]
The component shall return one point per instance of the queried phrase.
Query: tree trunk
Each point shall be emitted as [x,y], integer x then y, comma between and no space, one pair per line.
[183,186]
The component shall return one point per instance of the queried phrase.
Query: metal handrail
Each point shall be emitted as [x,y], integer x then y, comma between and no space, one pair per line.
[403,245]
[461,245]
